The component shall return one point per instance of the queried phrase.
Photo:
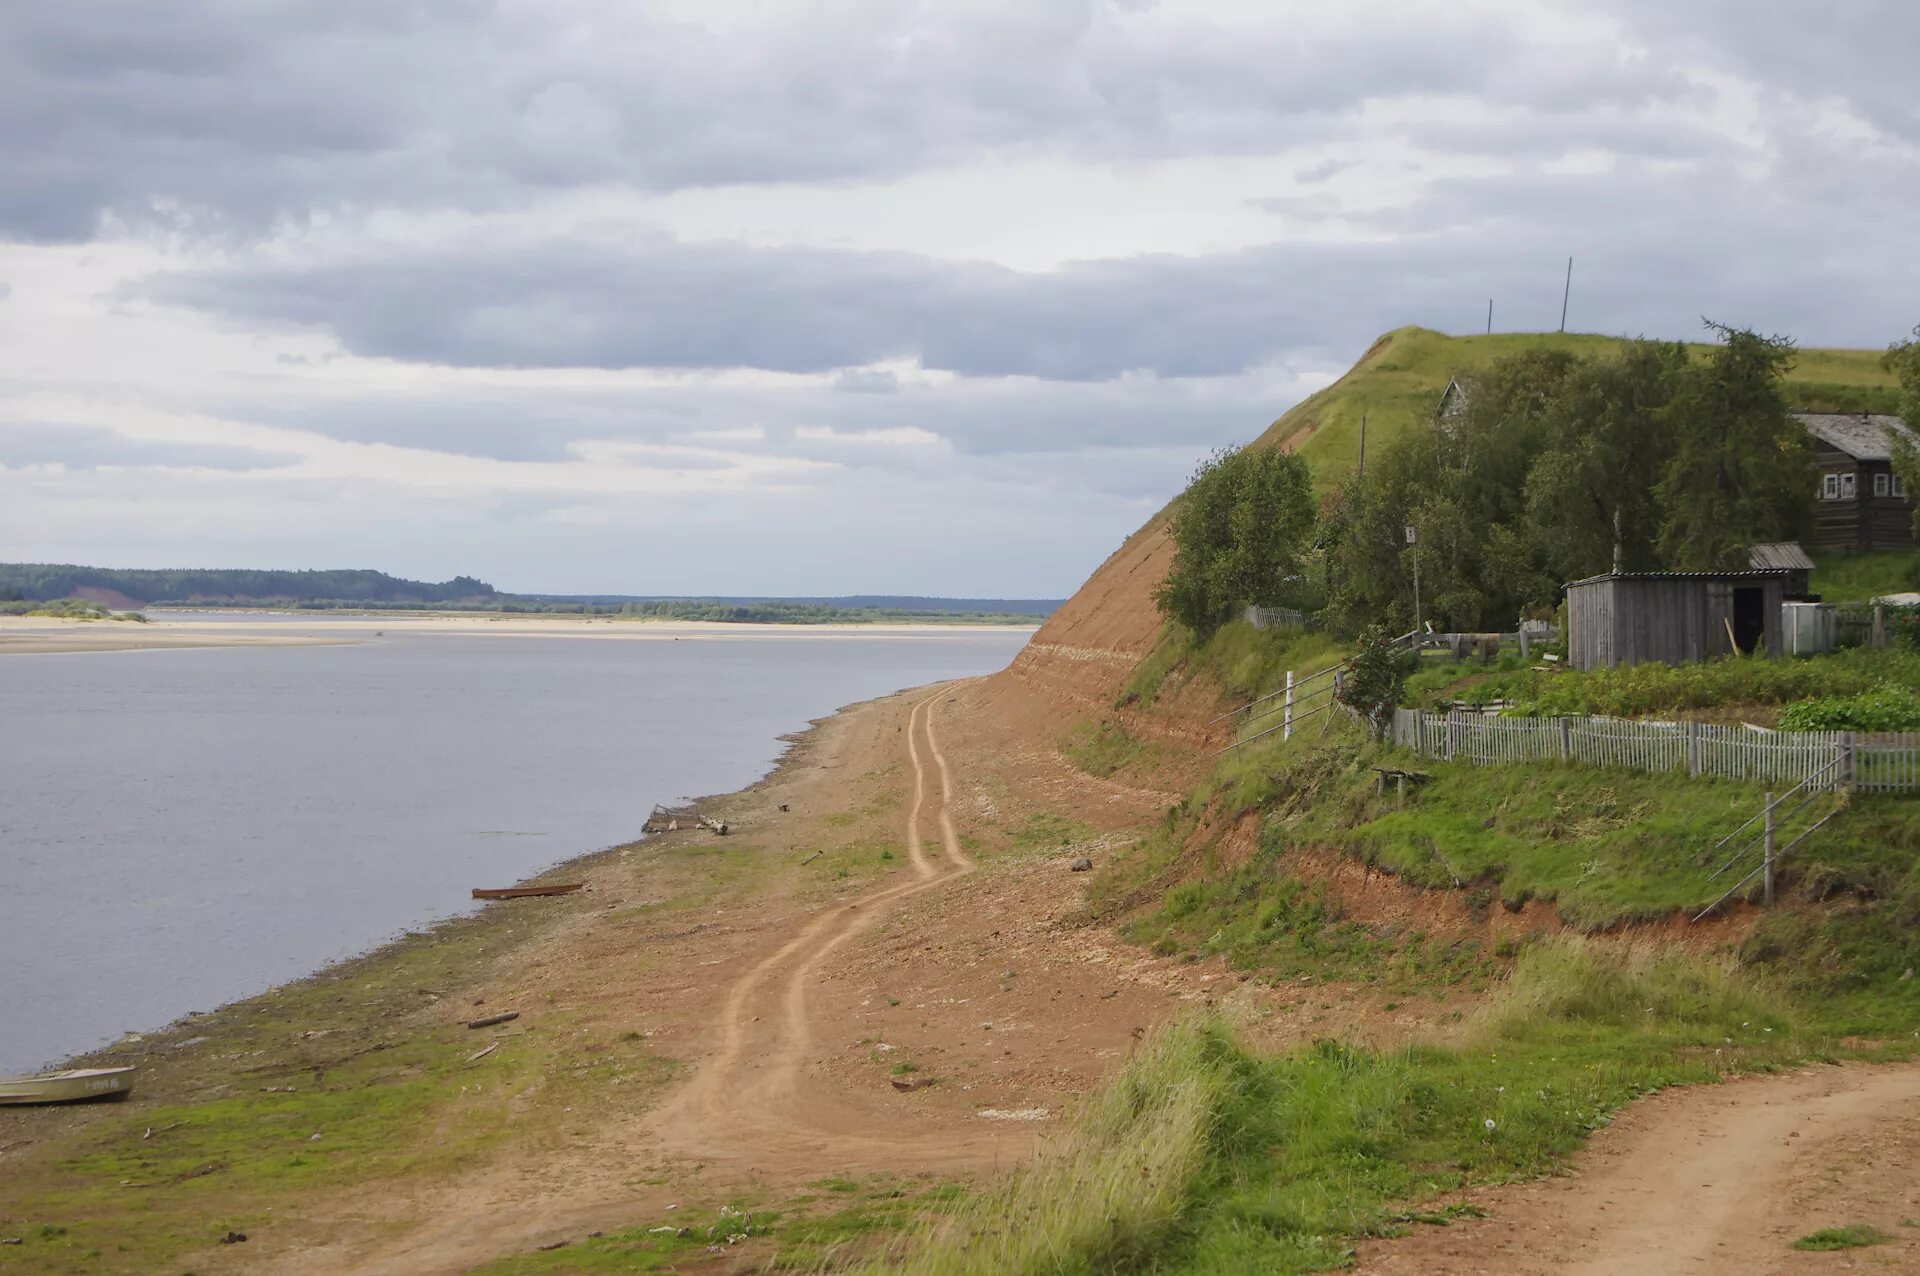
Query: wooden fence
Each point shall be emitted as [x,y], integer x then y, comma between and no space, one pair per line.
[1887,763]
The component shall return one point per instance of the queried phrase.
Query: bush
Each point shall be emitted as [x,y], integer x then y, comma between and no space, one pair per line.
[1889,708]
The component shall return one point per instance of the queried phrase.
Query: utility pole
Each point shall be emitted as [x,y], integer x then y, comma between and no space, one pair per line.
[1563,318]
[1565,294]
[1413,541]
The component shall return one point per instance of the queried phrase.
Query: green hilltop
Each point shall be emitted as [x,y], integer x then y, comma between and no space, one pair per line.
[1400,379]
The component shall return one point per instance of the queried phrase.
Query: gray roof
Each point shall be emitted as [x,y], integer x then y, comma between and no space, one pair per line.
[1738,573]
[1787,554]
[1861,436]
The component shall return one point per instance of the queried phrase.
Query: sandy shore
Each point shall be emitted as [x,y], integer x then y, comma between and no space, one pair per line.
[167,629]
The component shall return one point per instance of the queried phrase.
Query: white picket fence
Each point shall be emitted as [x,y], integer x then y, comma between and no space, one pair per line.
[1889,763]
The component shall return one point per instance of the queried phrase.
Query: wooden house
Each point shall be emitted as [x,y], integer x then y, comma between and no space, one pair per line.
[1863,505]
[1633,618]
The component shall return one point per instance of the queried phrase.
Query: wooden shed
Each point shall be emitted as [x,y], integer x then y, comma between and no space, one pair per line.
[1633,618]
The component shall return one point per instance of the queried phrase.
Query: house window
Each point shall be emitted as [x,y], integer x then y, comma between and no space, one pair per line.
[1899,485]
[1830,487]
[1880,484]
[1847,488]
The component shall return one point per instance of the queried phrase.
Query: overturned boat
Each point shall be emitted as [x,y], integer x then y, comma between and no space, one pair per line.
[77,1085]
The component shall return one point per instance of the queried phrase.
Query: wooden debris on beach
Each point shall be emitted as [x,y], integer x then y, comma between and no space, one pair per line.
[525,892]
[666,819]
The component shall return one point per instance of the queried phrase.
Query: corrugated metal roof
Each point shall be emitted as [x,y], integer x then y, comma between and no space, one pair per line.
[1861,436]
[1783,554]
[1734,574]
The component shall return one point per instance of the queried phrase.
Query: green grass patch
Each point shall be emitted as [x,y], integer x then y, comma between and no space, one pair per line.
[1852,578]
[1173,646]
[1852,1236]
[1639,690]
[1105,749]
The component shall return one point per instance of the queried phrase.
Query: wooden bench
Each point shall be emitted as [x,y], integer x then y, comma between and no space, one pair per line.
[1400,779]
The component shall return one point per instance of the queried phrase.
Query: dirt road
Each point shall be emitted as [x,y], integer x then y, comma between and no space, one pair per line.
[1708,1180]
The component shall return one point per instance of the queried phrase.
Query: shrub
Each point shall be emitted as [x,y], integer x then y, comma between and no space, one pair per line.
[1888,708]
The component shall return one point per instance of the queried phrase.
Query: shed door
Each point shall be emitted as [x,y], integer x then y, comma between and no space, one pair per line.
[1749,616]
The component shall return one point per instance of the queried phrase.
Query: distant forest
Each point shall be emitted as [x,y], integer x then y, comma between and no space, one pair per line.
[376,591]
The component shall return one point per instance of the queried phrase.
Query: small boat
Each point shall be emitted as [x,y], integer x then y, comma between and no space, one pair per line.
[79,1085]
[523,892]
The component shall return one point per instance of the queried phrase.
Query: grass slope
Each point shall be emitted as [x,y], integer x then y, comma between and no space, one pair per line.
[1399,380]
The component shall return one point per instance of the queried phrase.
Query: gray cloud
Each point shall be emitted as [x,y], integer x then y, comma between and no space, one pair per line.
[228,115]
[85,447]
[1650,264]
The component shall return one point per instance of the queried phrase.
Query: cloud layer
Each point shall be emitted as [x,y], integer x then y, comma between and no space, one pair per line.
[936,296]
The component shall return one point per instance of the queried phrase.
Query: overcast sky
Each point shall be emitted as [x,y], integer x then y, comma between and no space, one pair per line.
[851,295]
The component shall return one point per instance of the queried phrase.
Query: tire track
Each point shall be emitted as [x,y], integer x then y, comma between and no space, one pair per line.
[746,1101]
[948,837]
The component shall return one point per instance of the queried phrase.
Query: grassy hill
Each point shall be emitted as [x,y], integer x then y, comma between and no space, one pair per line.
[1399,380]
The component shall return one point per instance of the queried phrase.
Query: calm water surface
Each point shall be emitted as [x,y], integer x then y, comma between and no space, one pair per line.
[179,829]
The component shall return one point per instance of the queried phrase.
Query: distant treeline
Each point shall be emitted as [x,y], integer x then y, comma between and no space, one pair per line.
[28,583]
[41,581]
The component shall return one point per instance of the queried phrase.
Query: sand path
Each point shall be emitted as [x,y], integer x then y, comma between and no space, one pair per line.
[752,1101]
[1708,1180]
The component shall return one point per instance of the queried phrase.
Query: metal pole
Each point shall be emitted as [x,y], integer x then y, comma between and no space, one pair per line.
[1566,294]
[1767,887]
[1490,317]
[1286,723]
[1416,599]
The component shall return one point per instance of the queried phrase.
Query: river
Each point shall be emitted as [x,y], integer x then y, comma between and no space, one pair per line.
[182,828]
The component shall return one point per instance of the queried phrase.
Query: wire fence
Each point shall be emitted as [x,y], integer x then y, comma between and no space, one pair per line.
[1823,759]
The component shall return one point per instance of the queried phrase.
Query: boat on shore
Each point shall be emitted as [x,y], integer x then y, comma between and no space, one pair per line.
[525,892]
[76,1085]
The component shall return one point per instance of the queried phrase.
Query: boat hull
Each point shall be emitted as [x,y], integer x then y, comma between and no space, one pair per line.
[81,1085]
[526,892]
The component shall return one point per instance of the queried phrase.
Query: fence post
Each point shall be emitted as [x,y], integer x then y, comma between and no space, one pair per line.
[1286,723]
[1878,637]
[1693,748]
[1453,733]
[1767,870]
[1843,764]
[1566,739]
[1420,731]
[1525,652]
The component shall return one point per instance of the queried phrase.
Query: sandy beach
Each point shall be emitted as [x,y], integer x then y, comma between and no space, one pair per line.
[164,630]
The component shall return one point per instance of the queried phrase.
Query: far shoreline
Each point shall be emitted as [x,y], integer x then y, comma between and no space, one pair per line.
[186,628]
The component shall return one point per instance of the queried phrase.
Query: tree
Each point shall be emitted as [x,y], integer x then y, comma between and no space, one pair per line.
[1240,532]
[1376,681]
[1903,360]
[1592,487]
[1740,469]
